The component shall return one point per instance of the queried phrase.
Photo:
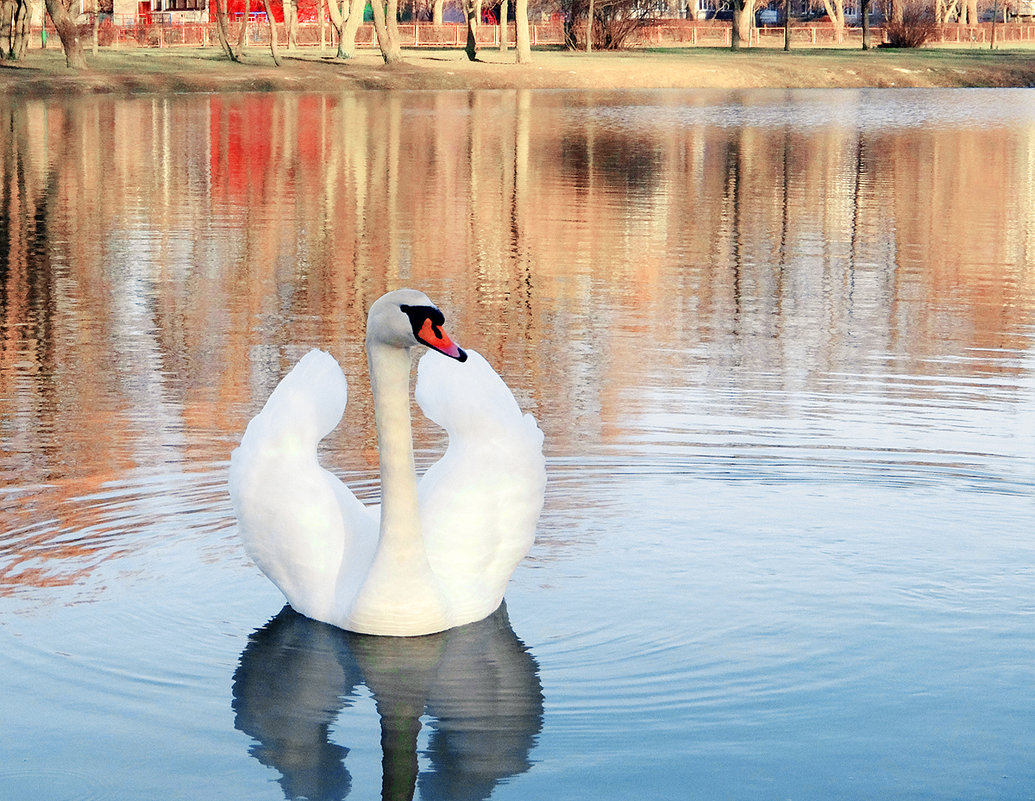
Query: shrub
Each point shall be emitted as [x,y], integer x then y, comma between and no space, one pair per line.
[613,22]
[913,29]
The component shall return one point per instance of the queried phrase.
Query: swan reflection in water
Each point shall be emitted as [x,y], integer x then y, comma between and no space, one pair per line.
[478,682]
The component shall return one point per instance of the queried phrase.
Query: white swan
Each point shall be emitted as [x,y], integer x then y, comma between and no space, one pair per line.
[434,555]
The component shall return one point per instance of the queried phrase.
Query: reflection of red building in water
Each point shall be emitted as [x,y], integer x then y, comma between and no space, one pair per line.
[247,164]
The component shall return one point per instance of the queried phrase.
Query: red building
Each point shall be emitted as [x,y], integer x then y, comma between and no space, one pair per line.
[205,10]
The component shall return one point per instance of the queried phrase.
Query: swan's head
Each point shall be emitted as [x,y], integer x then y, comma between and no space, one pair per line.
[405,318]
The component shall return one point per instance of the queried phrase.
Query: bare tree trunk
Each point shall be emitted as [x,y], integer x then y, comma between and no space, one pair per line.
[242,36]
[96,22]
[589,28]
[471,11]
[347,44]
[504,28]
[738,12]
[22,18]
[67,31]
[338,23]
[7,29]
[291,23]
[836,11]
[864,12]
[436,12]
[524,46]
[221,30]
[787,25]
[16,23]
[273,31]
[389,47]
[392,18]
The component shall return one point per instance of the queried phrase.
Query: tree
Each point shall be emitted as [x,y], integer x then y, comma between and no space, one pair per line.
[386,25]
[787,24]
[222,31]
[864,12]
[471,11]
[524,45]
[352,25]
[61,15]
[740,11]
[242,36]
[291,23]
[266,4]
[15,24]
[503,25]
[836,11]
[346,21]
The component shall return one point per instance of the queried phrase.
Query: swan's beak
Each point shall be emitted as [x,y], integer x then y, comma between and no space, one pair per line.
[435,338]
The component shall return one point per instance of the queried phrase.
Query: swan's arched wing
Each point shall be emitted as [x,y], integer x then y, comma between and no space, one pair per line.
[303,528]
[480,503]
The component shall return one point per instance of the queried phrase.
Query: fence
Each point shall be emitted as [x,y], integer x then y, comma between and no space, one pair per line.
[661,33]
[159,32]
[688,33]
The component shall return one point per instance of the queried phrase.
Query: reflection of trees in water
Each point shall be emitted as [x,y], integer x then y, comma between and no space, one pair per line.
[479,684]
[168,260]
[625,163]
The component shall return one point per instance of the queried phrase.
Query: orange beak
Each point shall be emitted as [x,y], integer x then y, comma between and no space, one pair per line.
[437,339]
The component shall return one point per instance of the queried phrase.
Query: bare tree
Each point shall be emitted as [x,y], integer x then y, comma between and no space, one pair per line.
[291,23]
[864,12]
[352,26]
[242,35]
[504,27]
[222,31]
[60,12]
[786,25]
[737,23]
[273,31]
[14,22]
[524,44]
[471,11]
[836,11]
[386,26]
[346,21]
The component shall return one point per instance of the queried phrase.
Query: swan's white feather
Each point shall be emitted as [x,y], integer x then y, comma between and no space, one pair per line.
[480,502]
[315,540]
[303,528]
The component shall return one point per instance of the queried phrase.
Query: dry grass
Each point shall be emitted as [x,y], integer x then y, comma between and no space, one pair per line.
[189,69]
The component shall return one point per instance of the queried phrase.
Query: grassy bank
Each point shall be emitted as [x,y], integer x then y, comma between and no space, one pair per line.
[188,70]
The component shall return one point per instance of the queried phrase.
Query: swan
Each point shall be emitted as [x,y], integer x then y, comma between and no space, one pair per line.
[438,552]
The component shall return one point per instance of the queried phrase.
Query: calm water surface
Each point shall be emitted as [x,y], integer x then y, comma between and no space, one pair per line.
[783,349]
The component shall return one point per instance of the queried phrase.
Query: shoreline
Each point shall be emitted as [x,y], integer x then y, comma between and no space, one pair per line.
[182,70]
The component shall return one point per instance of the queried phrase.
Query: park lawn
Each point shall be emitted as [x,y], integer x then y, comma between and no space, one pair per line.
[173,70]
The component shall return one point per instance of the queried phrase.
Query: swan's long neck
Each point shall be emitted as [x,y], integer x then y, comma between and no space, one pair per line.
[390,382]
[399,579]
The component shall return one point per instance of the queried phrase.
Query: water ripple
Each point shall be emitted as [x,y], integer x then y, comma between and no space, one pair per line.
[57,539]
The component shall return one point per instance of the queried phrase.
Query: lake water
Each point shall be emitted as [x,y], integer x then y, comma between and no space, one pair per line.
[781,344]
